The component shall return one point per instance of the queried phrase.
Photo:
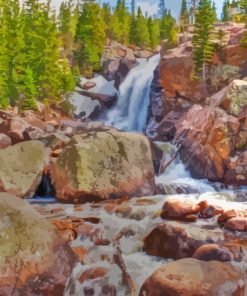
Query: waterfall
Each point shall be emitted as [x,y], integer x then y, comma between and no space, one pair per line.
[130,112]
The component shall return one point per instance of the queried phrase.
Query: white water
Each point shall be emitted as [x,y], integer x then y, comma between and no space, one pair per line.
[130,113]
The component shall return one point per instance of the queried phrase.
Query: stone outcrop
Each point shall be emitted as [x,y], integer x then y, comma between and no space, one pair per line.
[177,67]
[194,277]
[101,165]
[33,257]
[22,166]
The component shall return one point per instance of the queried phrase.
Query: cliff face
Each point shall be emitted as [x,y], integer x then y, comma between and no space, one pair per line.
[229,62]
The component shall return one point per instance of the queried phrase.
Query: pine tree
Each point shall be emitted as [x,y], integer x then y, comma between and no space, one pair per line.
[214,11]
[202,40]
[162,9]
[168,29]
[243,5]
[184,18]
[154,32]
[90,37]
[225,14]
[142,38]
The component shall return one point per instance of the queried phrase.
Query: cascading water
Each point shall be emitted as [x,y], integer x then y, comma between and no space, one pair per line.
[130,112]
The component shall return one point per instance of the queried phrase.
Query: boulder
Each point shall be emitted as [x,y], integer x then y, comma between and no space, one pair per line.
[207,138]
[34,260]
[194,277]
[178,240]
[101,165]
[237,224]
[5,141]
[234,99]
[237,170]
[179,209]
[213,252]
[22,166]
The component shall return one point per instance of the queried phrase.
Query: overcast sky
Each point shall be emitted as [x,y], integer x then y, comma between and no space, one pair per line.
[151,6]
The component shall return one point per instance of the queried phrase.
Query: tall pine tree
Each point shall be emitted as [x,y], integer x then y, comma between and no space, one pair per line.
[202,40]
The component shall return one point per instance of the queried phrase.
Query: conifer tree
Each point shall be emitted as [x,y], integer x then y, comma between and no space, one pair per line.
[168,29]
[90,37]
[162,9]
[225,14]
[142,38]
[214,11]
[154,32]
[202,40]
[243,5]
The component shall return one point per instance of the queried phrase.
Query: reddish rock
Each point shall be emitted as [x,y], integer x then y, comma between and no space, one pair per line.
[179,240]
[87,85]
[213,252]
[5,141]
[237,224]
[207,138]
[189,277]
[210,211]
[227,215]
[177,209]
[237,170]
[93,273]
[39,261]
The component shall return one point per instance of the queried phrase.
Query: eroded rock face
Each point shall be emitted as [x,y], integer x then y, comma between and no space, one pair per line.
[33,257]
[206,135]
[22,166]
[101,165]
[194,277]
[177,67]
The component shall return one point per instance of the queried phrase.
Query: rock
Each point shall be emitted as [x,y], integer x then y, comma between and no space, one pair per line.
[101,165]
[34,259]
[177,67]
[209,211]
[237,170]
[87,85]
[227,215]
[235,97]
[5,141]
[237,224]
[55,141]
[178,240]
[143,54]
[22,166]
[17,128]
[124,66]
[207,138]
[194,277]
[213,252]
[177,209]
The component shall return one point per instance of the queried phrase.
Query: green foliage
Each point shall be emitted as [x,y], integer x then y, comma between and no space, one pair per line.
[203,35]
[154,32]
[90,37]
[168,29]
[30,55]
[225,14]
[243,5]
[141,32]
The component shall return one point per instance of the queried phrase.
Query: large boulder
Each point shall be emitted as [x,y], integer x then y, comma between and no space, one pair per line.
[237,170]
[34,260]
[207,138]
[194,277]
[100,165]
[22,166]
[178,240]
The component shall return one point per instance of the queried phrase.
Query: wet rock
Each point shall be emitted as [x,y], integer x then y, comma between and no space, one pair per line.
[55,141]
[229,214]
[213,252]
[209,211]
[237,224]
[22,166]
[179,240]
[206,135]
[87,85]
[179,209]
[194,277]
[34,259]
[5,141]
[101,165]
[123,68]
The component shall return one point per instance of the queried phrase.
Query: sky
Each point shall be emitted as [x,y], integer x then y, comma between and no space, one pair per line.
[151,6]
